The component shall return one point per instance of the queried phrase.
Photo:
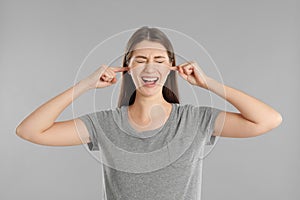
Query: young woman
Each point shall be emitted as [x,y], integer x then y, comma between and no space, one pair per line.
[149,120]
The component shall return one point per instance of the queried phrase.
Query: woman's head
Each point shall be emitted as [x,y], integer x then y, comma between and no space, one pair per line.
[149,53]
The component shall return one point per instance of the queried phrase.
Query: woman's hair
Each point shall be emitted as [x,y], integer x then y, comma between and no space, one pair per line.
[170,87]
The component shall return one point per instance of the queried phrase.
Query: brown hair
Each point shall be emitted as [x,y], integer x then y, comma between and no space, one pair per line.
[170,87]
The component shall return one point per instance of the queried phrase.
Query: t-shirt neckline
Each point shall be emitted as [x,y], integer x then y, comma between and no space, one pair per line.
[148,133]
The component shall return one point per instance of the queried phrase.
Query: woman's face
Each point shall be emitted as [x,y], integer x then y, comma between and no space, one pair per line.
[149,67]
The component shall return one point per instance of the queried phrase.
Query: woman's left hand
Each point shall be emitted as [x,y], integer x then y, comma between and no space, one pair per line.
[191,72]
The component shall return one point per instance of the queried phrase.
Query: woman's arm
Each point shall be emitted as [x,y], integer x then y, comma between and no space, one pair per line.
[40,126]
[255,117]
[44,117]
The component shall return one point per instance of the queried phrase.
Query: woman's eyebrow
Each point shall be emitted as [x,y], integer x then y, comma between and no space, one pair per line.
[159,57]
[146,57]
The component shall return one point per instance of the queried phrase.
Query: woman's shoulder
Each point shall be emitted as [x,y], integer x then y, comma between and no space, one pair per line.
[106,112]
[189,106]
[195,110]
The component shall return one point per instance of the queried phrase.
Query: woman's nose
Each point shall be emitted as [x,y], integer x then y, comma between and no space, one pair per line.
[149,67]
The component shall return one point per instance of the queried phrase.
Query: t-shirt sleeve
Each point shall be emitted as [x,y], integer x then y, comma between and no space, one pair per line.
[207,118]
[91,122]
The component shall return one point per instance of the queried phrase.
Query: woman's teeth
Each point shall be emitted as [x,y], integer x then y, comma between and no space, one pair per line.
[150,80]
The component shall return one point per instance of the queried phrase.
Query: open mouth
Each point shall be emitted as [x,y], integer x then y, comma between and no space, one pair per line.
[149,80]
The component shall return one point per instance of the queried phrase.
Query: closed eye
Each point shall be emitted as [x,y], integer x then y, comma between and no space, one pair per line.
[140,61]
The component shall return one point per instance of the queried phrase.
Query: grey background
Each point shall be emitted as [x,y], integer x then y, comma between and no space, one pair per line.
[254,43]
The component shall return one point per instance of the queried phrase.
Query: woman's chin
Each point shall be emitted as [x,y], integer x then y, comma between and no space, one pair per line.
[150,89]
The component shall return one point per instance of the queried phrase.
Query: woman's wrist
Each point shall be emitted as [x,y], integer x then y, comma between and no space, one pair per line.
[209,82]
[83,85]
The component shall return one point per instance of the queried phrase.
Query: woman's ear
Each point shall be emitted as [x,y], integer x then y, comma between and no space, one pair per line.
[129,69]
[128,63]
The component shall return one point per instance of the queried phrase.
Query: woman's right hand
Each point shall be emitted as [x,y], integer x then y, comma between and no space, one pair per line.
[104,76]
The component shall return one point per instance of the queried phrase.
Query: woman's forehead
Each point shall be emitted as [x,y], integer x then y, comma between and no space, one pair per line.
[148,47]
[149,51]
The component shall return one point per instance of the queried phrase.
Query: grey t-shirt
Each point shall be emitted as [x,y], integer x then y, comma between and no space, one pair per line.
[163,163]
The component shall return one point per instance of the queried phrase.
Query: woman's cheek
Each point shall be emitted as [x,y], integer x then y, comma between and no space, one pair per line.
[164,76]
[135,73]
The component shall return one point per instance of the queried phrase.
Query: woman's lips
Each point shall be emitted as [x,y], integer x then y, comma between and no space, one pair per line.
[149,80]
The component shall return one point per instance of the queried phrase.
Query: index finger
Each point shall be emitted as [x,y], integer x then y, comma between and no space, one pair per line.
[173,68]
[120,69]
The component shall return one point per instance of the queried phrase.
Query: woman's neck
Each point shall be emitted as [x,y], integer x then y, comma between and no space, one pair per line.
[145,108]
